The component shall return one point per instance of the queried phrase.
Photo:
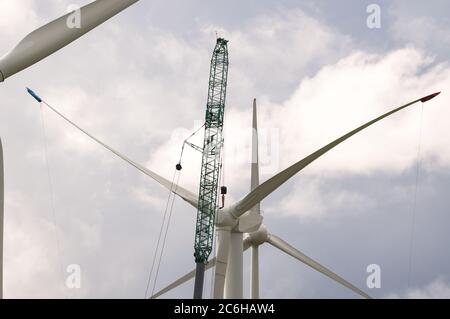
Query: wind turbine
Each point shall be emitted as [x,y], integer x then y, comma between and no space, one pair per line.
[239,226]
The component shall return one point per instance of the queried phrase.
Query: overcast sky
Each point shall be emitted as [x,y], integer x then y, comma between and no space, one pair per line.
[139,82]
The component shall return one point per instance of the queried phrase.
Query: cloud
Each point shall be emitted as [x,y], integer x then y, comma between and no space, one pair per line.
[32,259]
[438,289]
[290,53]
[354,90]
[310,200]
[21,17]
[418,25]
[426,32]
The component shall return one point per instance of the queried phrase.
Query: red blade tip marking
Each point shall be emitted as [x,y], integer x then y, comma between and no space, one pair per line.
[429,97]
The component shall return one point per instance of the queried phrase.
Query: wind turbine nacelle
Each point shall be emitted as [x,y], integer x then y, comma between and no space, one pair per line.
[225,220]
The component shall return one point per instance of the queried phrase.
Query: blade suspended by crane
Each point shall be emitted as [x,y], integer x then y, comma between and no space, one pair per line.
[211,162]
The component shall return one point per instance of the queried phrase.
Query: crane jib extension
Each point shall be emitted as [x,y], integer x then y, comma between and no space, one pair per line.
[210,170]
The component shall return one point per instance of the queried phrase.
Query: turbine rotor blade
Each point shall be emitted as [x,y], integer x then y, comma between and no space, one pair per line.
[57,34]
[290,250]
[211,263]
[255,157]
[186,195]
[269,186]
[191,275]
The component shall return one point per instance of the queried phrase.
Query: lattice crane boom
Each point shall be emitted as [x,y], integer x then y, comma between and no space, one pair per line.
[211,161]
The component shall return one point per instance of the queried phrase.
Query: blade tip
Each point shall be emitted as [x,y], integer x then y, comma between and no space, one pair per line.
[34,95]
[429,97]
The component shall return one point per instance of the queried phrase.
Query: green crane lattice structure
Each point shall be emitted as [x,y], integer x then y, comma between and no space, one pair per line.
[212,146]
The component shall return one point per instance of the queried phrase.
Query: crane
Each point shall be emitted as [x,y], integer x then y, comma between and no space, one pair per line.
[211,162]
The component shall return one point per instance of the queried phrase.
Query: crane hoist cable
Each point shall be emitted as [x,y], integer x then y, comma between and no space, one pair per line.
[157,248]
[186,142]
[168,212]
[220,179]
[165,235]
[52,199]
[414,206]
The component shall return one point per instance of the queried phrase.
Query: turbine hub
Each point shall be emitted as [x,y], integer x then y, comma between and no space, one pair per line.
[259,237]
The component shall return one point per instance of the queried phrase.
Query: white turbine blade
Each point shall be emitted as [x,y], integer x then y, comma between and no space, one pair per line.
[250,221]
[266,188]
[57,34]
[254,292]
[2,197]
[288,249]
[190,275]
[255,157]
[211,263]
[186,195]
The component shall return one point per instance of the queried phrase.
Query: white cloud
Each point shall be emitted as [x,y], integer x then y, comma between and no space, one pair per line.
[21,16]
[425,31]
[438,289]
[32,264]
[271,54]
[356,89]
[310,201]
